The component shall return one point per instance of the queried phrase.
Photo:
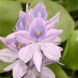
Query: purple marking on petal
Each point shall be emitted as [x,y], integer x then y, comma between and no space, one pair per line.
[40,10]
[21,24]
[32,66]
[37,28]
[19,45]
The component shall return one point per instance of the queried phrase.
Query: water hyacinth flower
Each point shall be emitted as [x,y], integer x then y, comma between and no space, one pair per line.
[34,42]
[41,38]
[10,55]
[19,68]
[25,19]
[40,11]
[38,38]
[36,31]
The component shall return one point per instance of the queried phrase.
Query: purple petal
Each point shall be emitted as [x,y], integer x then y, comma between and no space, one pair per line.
[57,40]
[40,11]
[9,44]
[25,20]
[51,51]
[37,58]
[37,28]
[30,74]
[51,34]
[47,73]
[11,37]
[30,16]
[26,53]
[22,14]
[47,61]
[21,23]
[7,55]
[51,23]
[28,19]
[19,70]
[24,37]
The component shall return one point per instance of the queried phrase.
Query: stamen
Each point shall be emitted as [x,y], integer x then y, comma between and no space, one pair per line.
[27,7]
[38,32]
[19,46]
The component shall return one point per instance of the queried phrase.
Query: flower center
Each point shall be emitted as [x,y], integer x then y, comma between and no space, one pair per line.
[38,32]
[19,45]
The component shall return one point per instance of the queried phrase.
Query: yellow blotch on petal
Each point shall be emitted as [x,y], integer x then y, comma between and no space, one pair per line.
[38,32]
[39,14]
[19,46]
[21,24]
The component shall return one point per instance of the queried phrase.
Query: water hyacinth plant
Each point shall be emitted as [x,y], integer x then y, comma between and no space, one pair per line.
[33,45]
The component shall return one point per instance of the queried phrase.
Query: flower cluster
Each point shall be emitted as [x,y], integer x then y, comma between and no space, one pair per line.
[33,45]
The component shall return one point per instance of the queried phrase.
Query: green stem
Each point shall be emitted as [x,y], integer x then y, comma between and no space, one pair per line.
[72,74]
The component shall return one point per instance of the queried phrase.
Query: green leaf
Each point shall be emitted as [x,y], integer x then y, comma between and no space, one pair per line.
[3,65]
[71,5]
[76,24]
[6,75]
[26,1]
[1,45]
[66,22]
[59,73]
[70,55]
[9,12]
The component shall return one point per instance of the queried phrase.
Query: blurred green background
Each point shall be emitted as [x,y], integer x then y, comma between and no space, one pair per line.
[9,13]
